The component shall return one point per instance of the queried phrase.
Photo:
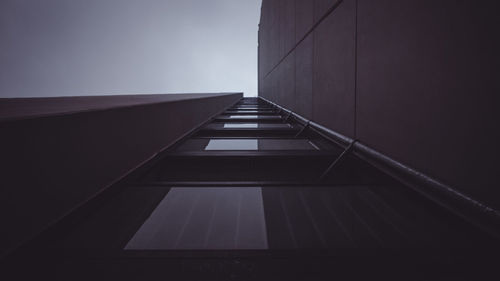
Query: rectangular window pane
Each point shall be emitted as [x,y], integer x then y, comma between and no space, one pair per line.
[244,116]
[232,144]
[244,125]
[248,125]
[205,218]
[260,144]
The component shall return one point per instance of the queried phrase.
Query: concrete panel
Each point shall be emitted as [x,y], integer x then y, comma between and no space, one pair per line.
[287,86]
[280,84]
[271,85]
[304,77]
[26,108]
[321,7]
[427,77]
[266,89]
[334,70]
[263,41]
[52,164]
[275,52]
[304,17]
[259,67]
[288,26]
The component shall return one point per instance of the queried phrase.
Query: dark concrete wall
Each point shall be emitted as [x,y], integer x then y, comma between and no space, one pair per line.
[52,163]
[415,80]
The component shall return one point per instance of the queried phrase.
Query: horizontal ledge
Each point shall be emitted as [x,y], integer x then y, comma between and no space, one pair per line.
[246,137]
[250,112]
[255,153]
[289,129]
[308,184]
[13,109]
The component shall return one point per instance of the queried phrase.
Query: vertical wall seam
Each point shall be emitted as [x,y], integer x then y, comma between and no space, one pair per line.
[313,34]
[356,70]
[295,97]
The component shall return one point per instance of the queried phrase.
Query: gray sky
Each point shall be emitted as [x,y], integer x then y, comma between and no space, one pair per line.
[94,47]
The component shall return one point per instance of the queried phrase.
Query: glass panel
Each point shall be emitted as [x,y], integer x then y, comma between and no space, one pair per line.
[205,218]
[286,144]
[260,144]
[244,116]
[306,217]
[246,111]
[232,144]
[245,125]
[198,144]
[248,125]
[274,125]
[231,218]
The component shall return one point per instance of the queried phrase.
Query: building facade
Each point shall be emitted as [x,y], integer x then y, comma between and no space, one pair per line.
[413,80]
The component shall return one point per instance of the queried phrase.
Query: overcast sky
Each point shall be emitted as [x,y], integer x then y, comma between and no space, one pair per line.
[94,47]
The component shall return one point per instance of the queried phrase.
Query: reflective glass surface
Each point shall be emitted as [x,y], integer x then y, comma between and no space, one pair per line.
[232,144]
[246,111]
[205,218]
[209,218]
[260,144]
[244,116]
[253,125]
[250,124]
[244,125]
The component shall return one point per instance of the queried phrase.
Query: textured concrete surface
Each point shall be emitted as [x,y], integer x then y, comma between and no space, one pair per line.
[52,164]
[25,108]
[412,79]
[425,92]
[333,80]
[304,77]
